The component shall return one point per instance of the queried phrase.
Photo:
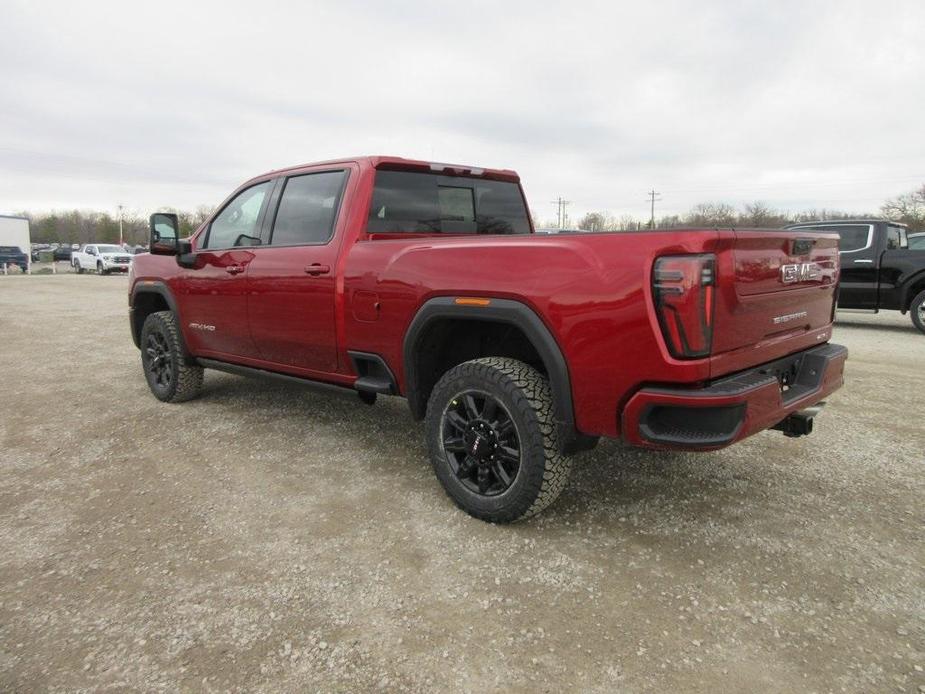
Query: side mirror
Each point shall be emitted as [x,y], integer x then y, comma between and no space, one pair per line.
[165,236]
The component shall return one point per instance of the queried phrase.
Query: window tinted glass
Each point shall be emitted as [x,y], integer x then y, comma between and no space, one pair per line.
[307,208]
[895,237]
[407,201]
[236,225]
[917,242]
[852,237]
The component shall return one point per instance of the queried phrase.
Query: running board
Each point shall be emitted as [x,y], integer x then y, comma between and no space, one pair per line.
[239,370]
[857,310]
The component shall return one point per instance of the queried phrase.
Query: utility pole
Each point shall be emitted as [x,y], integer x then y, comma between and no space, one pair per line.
[561,214]
[652,198]
[120,225]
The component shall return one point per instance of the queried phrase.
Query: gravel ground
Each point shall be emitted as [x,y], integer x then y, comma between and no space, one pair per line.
[272,538]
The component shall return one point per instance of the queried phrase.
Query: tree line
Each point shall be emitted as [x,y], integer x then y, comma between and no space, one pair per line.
[82,226]
[908,208]
[87,226]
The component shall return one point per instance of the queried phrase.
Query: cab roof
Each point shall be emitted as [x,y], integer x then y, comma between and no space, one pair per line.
[380,161]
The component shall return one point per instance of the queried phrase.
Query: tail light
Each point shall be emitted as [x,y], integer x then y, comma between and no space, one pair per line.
[683,287]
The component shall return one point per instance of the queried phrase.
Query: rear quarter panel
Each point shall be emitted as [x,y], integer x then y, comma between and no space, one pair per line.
[591,290]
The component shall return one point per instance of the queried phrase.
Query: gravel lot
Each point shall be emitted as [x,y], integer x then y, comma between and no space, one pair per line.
[272,538]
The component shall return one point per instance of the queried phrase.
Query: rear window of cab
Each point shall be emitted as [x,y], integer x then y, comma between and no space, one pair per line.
[407,201]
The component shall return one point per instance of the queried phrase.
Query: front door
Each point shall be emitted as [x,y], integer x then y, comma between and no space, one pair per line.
[213,300]
[292,280]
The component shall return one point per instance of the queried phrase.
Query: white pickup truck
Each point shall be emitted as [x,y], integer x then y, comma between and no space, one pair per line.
[104,258]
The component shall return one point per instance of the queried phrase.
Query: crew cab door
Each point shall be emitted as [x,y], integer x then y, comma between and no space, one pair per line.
[889,272]
[292,279]
[859,257]
[213,293]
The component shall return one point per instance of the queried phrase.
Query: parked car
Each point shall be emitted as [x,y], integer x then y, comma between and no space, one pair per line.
[62,252]
[879,272]
[390,276]
[917,241]
[103,258]
[12,255]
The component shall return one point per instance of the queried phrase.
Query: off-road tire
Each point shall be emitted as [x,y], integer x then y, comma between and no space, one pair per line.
[917,308]
[525,394]
[185,380]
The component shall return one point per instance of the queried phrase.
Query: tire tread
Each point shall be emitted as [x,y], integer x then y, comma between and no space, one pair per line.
[532,396]
[189,377]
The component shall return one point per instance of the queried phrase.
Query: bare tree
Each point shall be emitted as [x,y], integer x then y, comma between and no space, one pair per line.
[598,221]
[908,208]
[711,214]
[758,214]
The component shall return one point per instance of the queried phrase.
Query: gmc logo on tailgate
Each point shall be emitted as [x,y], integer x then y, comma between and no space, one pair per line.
[800,272]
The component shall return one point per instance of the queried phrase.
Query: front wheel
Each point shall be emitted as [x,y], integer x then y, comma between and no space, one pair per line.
[99,269]
[169,376]
[492,439]
[917,308]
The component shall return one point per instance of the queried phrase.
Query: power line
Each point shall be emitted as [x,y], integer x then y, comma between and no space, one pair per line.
[561,214]
[652,198]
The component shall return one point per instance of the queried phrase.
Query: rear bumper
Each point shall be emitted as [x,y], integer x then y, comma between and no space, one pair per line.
[733,407]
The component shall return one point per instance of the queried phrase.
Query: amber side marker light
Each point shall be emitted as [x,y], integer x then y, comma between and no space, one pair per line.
[471,301]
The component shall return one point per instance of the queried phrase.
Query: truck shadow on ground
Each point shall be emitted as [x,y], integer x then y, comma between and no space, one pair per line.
[611,480]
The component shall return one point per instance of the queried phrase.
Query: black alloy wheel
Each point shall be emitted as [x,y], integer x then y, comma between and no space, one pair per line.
[481,443]
[158,360]
[171,376]
[492,438]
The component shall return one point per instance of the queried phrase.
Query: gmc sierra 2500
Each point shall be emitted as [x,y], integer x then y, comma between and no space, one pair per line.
[400,277]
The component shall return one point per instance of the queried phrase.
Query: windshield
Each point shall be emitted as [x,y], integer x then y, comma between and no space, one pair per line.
[110,249]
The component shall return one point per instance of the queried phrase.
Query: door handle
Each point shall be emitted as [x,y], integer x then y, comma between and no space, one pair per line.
[234,269]
[316,269]
[863,261]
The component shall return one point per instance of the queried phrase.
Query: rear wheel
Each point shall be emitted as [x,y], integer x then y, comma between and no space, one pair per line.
[78,268]
[917,308]
[169,377]
[492,439]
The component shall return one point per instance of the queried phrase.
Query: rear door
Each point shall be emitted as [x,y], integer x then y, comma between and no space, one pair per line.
[859,263]
[784,287]
[214,292]
[889,272]
[292,280]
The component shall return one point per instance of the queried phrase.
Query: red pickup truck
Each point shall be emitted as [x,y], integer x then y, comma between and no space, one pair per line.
[391,276]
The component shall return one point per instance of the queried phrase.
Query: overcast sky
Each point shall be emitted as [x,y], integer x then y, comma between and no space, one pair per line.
[799,104]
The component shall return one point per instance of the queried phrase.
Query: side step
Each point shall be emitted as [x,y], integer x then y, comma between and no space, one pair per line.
[374,384]
[375,376]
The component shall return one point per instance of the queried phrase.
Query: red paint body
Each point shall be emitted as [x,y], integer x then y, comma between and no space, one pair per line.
[592,291]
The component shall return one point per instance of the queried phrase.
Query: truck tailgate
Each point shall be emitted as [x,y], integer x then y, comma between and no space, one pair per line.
[783,291]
